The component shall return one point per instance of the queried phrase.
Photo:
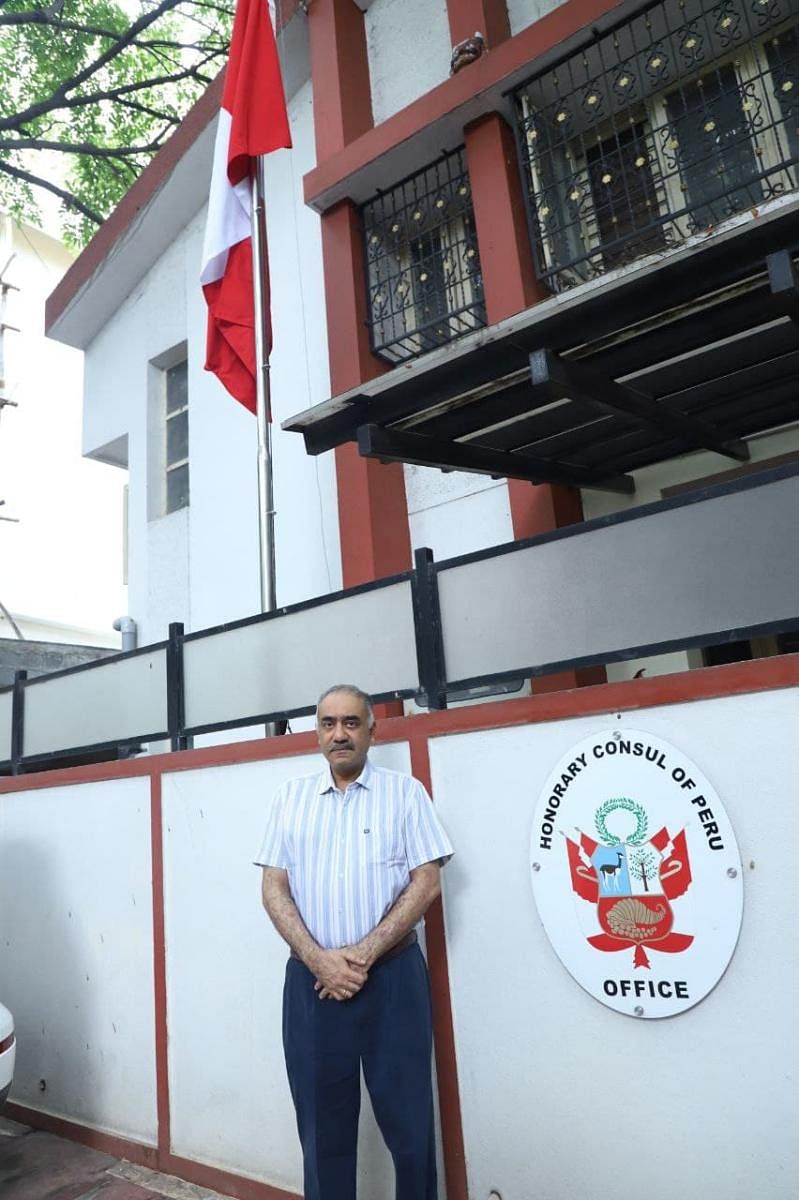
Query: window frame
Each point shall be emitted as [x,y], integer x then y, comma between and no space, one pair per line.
[756,78]
[170,467]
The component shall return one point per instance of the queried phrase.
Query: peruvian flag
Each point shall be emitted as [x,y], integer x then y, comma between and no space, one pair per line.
[252,121]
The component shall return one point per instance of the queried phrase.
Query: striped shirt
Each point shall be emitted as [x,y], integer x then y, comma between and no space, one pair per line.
[349,854]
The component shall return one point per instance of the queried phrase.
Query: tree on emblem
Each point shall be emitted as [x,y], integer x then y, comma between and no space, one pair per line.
[643,865]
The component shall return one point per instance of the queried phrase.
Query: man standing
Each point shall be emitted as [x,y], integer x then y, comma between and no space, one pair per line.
[351,862]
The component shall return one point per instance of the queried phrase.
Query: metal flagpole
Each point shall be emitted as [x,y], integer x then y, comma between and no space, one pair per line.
[266,497]
[266,501]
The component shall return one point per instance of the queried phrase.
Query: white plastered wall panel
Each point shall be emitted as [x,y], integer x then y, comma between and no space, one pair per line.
[522,13]
[649,485]
[109,701]
[281,663]
[76,952]
[556,1089]
[151,321]
[409,48]
[458,513]
[6,713]
[230,1102]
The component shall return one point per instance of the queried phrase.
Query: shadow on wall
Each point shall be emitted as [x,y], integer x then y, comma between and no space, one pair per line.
[47,986]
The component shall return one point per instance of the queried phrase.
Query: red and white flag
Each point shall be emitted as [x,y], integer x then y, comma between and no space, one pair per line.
[252,121]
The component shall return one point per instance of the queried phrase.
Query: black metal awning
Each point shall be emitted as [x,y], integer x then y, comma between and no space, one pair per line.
[698,349]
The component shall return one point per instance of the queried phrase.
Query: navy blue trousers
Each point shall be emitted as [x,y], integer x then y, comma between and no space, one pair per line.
[387,1028]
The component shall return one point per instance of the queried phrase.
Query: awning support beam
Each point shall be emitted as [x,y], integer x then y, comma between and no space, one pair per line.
[554,378]
[784,282]
[394,445]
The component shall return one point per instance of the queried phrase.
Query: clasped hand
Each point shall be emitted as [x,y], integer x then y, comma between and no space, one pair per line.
[340,974]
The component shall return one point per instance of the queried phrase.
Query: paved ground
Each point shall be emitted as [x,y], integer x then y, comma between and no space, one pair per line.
[40,1166]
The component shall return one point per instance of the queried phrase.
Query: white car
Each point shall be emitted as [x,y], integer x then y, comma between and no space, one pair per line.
[8,1048]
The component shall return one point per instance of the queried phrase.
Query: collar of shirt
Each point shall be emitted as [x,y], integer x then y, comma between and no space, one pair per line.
[327,783]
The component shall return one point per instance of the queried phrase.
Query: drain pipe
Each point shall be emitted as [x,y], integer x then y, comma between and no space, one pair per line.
[127,627]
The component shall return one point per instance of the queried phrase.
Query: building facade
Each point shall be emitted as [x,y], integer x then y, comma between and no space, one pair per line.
[533,279]
[597,185]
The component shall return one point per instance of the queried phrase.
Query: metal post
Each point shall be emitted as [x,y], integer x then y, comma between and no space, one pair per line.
[18,722]
[429,634]
[266,497]
[175,694]
[266,503]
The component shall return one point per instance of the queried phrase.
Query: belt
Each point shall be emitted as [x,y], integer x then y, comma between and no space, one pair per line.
[404,943]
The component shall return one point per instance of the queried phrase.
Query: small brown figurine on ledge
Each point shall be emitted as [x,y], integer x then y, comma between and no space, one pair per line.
[466,52]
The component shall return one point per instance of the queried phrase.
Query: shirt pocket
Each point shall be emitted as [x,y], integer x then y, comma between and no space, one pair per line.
[382,848]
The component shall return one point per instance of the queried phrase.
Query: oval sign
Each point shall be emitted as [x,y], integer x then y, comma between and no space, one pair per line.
[636,873]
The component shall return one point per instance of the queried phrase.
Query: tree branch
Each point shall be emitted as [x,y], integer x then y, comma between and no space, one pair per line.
[67,197]
[106,93]
[88,148]
[17,120]
[56,100]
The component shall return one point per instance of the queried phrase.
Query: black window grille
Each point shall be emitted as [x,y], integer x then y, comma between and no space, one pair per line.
[423,267]
[676,120]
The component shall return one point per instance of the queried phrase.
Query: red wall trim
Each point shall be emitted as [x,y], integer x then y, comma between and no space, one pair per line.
[148,1156]
[223,1181]
[106,1143]
[159,969]
[449,1104]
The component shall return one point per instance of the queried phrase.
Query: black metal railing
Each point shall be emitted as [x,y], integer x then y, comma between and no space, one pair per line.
[423,268]
[668,125]
[469,627]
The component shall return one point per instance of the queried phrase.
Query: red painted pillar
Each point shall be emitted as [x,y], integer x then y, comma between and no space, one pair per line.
[489,17]
[511,285]
[506,259]
[373,512]
[340,75]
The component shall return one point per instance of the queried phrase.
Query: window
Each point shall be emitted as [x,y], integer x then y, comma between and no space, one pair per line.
[677,120]
[623,196]
[423,269]
[716,162]
[176,436]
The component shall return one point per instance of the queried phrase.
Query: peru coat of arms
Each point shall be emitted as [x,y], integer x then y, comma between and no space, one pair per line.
[631,882]
[636,873]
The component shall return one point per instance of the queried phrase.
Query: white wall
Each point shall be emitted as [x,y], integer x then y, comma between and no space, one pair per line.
[456,513]
[200,565]
[551,1081]
[409,48]
[558,1092]
[62,563]
[76,957]
[76,965]
[649,485]
[231,1105]
[522,13]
